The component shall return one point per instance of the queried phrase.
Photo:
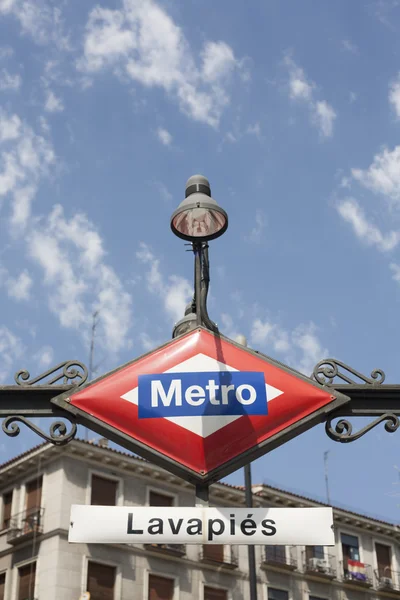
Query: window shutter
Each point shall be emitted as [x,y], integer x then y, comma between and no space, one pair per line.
[275,594]
[2,586]
[276,553]
[33,494]
[383,560]
[100,581]
[160,588]
[214,552]
[214,594]
[104,491]
[26,588]
[156,499]
[7,502]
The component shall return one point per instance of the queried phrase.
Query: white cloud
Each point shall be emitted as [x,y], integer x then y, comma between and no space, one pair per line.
[254,129]
[25,158]
[147,342]
[44,356]
[164,136]
[352,213]
[38,19]
[70,253]
[299,87]
[174,291]
[5,51]
[53,103]
[300,348]
[322,114]
[143,41]
[11,348]
[394,95]
[383,175]
[19,287]
[9,82]
[9,127]
[396,272]
[256,233]
[349,46]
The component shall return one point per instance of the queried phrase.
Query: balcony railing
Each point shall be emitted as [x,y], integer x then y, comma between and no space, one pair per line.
[357,573]
[387,580]
[171,549]
[25,525]
[219,556]
[279,556]
[320,567]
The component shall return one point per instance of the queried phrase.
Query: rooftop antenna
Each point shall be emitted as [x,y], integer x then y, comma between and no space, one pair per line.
[326,477]
[91,357]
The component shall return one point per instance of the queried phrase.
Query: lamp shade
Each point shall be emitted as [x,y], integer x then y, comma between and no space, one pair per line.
[198,217]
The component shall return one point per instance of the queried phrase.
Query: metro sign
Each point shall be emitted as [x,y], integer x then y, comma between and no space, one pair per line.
[201,406]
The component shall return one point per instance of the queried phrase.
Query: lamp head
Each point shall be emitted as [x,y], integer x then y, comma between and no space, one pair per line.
[198,217]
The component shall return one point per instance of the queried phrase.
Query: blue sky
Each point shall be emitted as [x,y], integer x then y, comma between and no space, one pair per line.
[291,110]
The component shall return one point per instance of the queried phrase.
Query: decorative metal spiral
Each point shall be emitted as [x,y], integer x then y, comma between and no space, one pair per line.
[58,433]
[343,430]
[328,369]
[71,371]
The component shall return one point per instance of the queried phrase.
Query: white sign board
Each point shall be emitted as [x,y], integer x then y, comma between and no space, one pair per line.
[177,525]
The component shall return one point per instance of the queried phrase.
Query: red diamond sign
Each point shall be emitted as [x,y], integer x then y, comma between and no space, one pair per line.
[201,405]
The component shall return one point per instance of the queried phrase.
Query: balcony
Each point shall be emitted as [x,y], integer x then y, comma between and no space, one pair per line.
[323,568]
[219,556]
[357,573]
[170,549]
[282,557]
[387,580]
[25,525]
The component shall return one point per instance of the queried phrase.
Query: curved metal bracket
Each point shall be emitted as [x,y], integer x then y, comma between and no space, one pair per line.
[343,430]
[72,371]
[327,370]
[58,435]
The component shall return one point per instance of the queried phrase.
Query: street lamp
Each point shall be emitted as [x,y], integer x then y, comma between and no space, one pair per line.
[198,219]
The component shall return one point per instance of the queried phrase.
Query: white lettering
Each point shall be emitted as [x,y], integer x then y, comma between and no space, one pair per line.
[195,391]
[158,391]
[225,389]
[239,395]
[212,388]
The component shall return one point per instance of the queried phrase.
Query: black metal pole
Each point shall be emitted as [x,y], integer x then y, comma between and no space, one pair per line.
[251,549]
[197,280]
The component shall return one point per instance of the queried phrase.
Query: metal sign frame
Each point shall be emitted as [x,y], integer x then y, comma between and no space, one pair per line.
[45,396]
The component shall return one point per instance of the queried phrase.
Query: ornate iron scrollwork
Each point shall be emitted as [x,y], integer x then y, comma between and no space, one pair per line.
[327,370]
[343,430]
[58,433]
[71,371]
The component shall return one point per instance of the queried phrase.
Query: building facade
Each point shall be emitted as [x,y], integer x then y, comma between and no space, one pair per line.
[38,487]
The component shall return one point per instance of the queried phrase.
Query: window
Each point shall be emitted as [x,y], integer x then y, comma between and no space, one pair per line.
[7,502]
[314,552]
[383,558]
[158,499]
[100,581]
[104,491]
[26,583]
[33,499]
[2,586]
[275,594]
[160,588]
[211,593]
[350,549]
[214,552]
[33,494]
[275,554]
